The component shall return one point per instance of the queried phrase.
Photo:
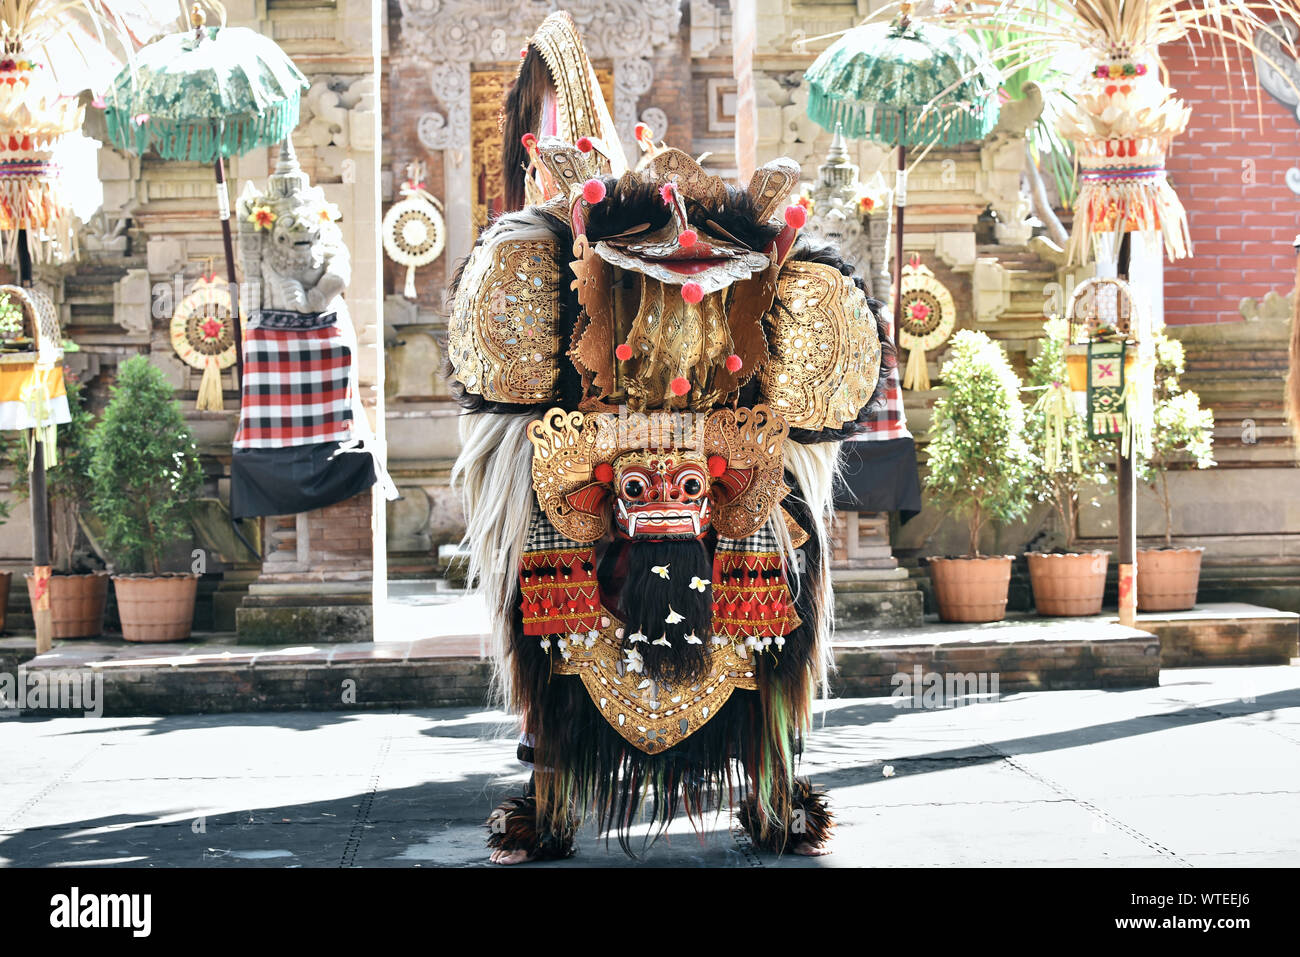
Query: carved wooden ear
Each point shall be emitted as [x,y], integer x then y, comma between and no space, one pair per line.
[732,482]
[590,499]
[771,184]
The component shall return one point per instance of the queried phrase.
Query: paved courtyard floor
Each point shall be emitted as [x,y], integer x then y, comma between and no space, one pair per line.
[1203,770]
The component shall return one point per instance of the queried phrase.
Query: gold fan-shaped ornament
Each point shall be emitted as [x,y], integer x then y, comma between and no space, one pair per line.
[203,336]
[414,230]
[926,318]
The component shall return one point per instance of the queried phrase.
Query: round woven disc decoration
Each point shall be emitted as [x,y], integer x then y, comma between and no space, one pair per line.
[203,335]
[414,234]
[925,320]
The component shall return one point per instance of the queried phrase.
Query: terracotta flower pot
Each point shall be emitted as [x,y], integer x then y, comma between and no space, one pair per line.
[156,607]
[1068,584]
[1167,578]
[971,589]
[6,579]
[76,603]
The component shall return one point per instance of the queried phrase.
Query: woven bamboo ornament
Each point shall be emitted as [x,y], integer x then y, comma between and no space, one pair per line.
[33,397]
[1121,128]
[413,229]
[927,318]
[202,333]
[1111,360]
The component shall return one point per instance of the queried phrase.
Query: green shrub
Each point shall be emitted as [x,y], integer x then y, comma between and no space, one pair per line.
[144,468]
[979,464]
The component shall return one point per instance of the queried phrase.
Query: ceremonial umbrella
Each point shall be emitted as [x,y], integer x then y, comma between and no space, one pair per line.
[906,84]
[204,95]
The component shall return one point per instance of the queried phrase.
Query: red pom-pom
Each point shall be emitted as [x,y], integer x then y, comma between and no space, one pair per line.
[717,465]
[593,191]
[584,144]
[604,472]
[688,237]
[642,132]
[692,292]
[795,216]
[666,193]
[734,363]
[624,352]
[529,140]
[680,386]
[523,52]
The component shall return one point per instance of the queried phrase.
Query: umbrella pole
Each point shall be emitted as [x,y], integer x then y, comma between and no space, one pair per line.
[40,499]
[898,241]
[223,210]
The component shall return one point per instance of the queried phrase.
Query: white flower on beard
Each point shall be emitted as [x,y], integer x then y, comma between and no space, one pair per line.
[691,639]
[633,662]
[673,617]
[660,570]
[662,640]
[636,636]
[698,583]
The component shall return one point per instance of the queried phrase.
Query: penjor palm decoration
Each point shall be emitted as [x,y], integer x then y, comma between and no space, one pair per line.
[1124,117]
[46,51]
[49,52]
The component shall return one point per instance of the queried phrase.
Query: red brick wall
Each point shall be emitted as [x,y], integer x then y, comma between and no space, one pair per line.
[1229,173]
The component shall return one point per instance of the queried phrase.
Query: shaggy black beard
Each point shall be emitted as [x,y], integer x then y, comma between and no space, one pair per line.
[647,599]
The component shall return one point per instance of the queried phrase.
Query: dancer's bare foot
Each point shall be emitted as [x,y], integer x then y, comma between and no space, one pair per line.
[810,850]
[519,856]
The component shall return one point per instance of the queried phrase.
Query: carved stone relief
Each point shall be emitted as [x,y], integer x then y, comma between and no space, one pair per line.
[450,35]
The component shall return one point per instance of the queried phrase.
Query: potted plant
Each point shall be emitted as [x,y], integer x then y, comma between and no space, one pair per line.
[979,467]
[78,589]
[1168,576]
[1065,581]
[145,477]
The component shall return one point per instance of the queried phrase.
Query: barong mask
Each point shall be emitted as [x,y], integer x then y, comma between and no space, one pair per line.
[658,362]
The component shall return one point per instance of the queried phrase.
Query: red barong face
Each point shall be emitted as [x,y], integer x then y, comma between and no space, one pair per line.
[661,495]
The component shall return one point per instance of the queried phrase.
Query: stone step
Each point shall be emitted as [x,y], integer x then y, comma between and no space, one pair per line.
[215,676]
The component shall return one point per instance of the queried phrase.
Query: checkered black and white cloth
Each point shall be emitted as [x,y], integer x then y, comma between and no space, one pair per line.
[891,421]
[297,387]
[545,537]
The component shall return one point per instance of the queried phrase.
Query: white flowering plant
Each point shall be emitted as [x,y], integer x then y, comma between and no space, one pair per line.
[980,465]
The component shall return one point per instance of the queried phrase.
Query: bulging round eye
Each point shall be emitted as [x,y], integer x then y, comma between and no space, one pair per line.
[692,486]
[633,488]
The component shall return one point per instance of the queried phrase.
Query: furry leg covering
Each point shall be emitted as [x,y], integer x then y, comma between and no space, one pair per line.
[514,826]
[810,820]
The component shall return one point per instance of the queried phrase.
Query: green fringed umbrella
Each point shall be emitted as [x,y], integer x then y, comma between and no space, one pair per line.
[904,84]
[204,95]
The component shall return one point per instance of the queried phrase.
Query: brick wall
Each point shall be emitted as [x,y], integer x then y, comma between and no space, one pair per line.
[1228,170]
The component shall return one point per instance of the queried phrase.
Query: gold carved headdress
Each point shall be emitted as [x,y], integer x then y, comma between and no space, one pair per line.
[677,313]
